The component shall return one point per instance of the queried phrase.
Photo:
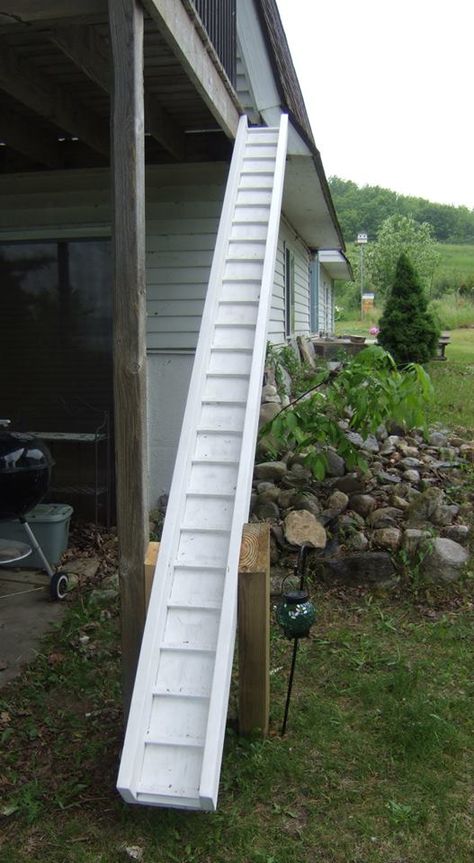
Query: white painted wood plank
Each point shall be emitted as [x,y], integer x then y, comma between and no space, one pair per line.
[191,620]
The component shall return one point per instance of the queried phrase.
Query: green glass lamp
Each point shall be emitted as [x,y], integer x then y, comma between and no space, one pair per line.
[296,614]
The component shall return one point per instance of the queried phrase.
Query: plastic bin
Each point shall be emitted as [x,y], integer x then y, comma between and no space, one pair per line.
[50,524]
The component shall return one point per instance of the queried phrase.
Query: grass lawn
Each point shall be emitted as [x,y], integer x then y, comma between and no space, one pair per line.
[454,382]
[456,260]
[374,767]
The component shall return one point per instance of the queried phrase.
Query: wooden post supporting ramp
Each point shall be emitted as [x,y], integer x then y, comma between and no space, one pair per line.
[253,626]
[129,323]
[254,629]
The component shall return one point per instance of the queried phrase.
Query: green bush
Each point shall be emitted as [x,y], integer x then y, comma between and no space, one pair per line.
[369,388]
[407,329]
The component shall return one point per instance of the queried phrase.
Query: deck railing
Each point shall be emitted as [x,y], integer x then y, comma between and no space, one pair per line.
[220,20]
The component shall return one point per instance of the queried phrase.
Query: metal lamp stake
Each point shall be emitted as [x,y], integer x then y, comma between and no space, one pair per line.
[296,615]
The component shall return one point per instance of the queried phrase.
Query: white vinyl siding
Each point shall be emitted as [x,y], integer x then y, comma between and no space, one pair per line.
[182,221]
[301,286]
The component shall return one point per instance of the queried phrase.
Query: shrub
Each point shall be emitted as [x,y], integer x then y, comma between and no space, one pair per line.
[369,389]
[407,329]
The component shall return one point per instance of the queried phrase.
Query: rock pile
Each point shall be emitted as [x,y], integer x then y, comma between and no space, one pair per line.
[364,524]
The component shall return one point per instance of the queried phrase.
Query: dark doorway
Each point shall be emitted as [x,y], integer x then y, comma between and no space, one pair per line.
[56,356]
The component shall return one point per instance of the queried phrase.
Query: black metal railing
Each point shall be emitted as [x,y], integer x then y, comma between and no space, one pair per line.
[220,20]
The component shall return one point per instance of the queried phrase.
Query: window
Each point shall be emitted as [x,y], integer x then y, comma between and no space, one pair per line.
[55,330]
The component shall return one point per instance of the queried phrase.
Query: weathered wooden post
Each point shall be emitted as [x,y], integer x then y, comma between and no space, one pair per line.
[254,629]
[129,322]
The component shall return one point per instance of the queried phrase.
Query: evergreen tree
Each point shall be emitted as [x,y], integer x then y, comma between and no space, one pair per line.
[407,329]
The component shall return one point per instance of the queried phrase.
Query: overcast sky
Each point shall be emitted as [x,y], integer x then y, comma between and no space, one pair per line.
[388,85]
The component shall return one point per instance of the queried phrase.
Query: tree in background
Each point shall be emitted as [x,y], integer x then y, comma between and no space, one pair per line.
[401,235]
[407,329]
[364,208]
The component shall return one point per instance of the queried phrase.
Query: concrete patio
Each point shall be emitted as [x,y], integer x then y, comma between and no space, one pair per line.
[26,614]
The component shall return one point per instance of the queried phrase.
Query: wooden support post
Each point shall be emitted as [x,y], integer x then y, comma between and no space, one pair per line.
[254,629]
[129,322]
[150,565]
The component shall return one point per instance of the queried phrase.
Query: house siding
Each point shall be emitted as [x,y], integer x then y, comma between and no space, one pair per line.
[287,239]
[183,208]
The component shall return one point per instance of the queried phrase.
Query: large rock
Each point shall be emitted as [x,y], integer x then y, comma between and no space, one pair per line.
[270,394]
[355,438]
[337,502]
[271,493]
[445,562]
[336,464]
[357,541]
[265,509]
[350,521]
[412,475]
[306,501]
[445,514]
[297,477]
[389,445]
[370,567]
[371,444]
[268,413]
[350,484]
[467,451]
[387,537]
[410,462]
[302,527]
[413,538]
[437,439]
[424,506]
[458,533]
[386,516]
[386,477]
[271,470]
[363,504]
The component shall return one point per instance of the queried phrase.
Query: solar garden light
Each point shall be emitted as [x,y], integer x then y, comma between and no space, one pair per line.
[295,614]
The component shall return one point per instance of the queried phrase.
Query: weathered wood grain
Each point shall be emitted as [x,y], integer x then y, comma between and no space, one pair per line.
[129,317]
[254,629]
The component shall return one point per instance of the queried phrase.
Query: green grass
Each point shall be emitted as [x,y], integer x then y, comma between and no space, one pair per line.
[453,312]
[374,767]
[456,259]
[454,382]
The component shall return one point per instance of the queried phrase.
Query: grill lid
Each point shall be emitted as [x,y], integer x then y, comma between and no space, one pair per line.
[22,452]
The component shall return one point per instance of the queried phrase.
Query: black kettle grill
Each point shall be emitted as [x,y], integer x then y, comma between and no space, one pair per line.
[25,473]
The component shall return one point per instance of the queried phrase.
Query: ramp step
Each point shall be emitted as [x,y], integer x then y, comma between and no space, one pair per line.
[170,693]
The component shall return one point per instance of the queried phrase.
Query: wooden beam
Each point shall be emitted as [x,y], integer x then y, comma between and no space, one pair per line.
[31,11]
[129,321]
[151,558]
[86,50]
[178,30]
[22,134]
[164,129]
[32,88]
[254,629]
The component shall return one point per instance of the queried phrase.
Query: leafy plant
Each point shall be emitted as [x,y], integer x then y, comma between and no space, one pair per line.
[369,390]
